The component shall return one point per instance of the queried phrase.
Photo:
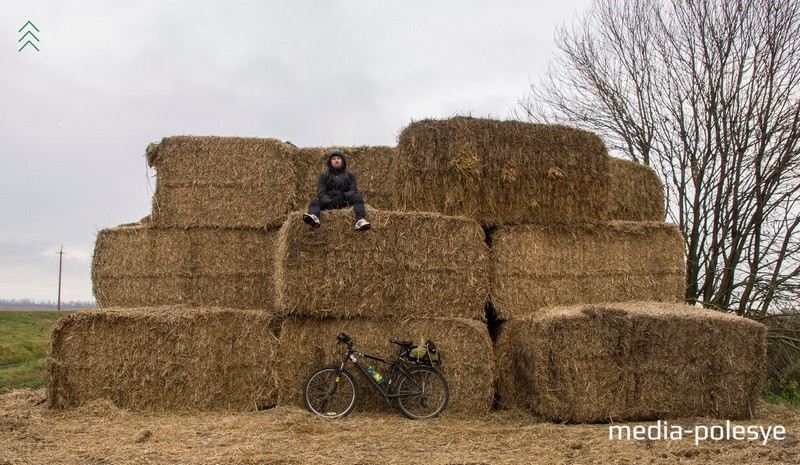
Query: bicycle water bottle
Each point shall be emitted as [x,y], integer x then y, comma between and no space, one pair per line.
[375,375]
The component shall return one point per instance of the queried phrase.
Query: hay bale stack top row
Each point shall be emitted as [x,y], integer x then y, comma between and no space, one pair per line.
[240,182]
[222,182]
[494,172]
[502,172]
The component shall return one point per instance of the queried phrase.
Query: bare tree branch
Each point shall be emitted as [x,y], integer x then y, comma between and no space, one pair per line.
[707,92]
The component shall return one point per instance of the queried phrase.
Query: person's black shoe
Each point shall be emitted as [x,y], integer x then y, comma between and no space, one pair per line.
[311,220]
[362,225]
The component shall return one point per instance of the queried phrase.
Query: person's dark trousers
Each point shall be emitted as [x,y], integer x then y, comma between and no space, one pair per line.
[339,201]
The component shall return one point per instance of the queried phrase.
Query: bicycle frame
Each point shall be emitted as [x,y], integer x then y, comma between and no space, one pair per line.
[396,368]
[418,390]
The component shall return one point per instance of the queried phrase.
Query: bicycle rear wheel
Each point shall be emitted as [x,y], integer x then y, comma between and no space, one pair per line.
[328,395]
[423,394]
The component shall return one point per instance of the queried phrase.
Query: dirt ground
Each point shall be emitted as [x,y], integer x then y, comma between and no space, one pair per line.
[101,434]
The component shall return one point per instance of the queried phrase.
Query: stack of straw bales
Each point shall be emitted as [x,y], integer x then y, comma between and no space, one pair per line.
[164,359]
[534,226]
[412,276]
[569,225]
[631,361]
[212,241]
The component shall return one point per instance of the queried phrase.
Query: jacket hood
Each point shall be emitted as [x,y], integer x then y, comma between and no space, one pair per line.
[333,154]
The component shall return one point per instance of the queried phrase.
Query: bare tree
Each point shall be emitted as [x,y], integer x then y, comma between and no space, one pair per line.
[707,92]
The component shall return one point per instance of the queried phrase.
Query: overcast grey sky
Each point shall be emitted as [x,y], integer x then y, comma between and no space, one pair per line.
[110,77]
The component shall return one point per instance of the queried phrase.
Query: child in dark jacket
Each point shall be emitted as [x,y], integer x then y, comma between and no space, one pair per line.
[337,188]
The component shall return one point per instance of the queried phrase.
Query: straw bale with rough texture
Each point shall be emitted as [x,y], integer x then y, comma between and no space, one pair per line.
[635,192]
[135,265]
[164,359]
[371,166]
[467,357]
[631,361]
[407,265]
[548,265]
[222,181]
[501,172]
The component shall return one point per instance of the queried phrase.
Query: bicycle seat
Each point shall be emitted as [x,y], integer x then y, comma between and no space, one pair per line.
[401,343]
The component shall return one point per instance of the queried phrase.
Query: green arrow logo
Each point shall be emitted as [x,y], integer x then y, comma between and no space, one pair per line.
[26,24]
[28,33]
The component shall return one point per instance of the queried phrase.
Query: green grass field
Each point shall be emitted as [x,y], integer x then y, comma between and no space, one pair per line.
[24,342]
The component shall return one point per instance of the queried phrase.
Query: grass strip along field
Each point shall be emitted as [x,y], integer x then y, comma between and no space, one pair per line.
[24,342]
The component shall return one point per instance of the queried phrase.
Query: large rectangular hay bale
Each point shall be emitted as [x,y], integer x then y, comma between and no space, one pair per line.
[635,192]
[371,166]
[537,266]
[164,359]
[501,172]
[631,361]
[408,265]
[467,358]
[222,181]
[136,265]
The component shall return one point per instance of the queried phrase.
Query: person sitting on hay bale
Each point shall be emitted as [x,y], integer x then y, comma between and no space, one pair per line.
[337,188]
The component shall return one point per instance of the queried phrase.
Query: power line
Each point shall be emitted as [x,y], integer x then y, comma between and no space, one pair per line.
[22,247]
[26,239]
[36,249]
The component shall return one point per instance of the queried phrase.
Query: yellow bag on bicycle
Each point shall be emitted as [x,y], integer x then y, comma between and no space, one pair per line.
[426,354]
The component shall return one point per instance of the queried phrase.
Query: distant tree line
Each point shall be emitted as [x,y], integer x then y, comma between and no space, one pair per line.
[46,304]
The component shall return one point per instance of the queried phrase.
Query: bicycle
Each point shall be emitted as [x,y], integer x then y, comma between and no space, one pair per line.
[414,386]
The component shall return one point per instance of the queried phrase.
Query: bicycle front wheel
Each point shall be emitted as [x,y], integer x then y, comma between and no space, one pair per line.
[423,394]
[330,395]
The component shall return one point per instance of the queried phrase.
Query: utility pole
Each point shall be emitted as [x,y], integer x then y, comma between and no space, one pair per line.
[60,260]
